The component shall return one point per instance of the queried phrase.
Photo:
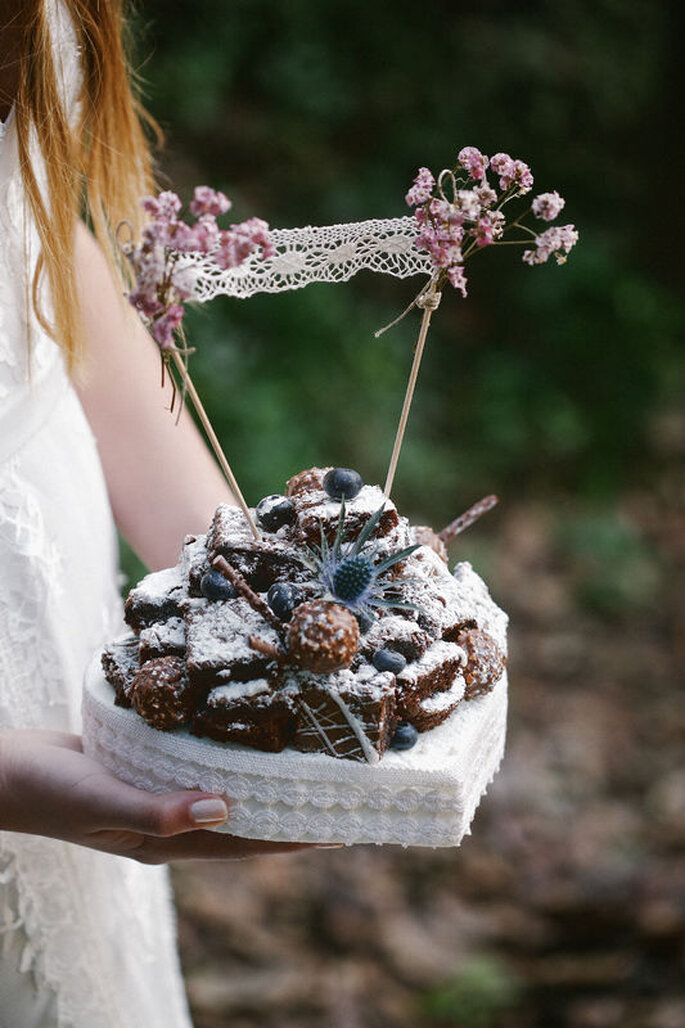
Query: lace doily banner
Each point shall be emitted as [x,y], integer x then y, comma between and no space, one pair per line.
[329,253]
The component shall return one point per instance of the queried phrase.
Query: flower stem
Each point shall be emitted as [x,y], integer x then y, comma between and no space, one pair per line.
[213,439]
[408,396]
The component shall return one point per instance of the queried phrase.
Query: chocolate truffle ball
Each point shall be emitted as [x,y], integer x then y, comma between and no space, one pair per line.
[484,662]
[161,693]
[322,636]
[306,481]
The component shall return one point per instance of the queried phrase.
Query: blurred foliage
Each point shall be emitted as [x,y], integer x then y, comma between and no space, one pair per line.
[482,988]
[545,378]
[612,566]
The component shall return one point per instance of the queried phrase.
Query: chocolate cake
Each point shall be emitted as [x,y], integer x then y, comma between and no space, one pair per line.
[339,632]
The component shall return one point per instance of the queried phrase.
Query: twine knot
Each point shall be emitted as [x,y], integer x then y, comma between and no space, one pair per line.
[430,300]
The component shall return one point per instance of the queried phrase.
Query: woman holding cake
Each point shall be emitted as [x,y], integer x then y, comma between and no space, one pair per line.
[86,938]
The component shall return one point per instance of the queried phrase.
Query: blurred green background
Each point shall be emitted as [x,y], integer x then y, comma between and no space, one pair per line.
[560,389]
[545,379]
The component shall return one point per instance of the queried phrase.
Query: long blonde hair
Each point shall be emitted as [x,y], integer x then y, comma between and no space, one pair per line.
[96,169]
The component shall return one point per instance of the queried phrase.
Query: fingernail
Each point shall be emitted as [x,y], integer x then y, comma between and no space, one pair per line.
[204,812]
[330,846]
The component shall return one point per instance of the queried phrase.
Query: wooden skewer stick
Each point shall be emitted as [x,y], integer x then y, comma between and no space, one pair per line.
[263,646]
[429,302]
[214,441]
[466,519]
[247,592]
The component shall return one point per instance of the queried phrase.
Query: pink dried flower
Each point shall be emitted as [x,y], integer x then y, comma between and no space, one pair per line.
[443,212]
[558,240]
[209,201]
[258,230]
[163,328]
[165,206]
[452,231]
[421,191]
[523,177]
[547,205]
[503,165]
[457,277]
[486,195]
[469,204]
[146,302]
[488,228]
[512,173]
[473,162]
[162,286]
[203,235]
[236,244]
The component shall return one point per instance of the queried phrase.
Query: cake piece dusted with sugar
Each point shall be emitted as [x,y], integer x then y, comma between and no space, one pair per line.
[120,662]
[156,597]
[317,511]
[218,646]
[163,639]
[261,562]
[250,713]
[344,714]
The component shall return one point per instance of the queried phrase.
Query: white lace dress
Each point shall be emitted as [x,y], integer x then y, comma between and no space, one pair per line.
[86,940]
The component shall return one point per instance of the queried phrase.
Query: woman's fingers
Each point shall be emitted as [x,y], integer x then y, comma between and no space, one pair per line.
[162,815]
[51,788]
[205,845]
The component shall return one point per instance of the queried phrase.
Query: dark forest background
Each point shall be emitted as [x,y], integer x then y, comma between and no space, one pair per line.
[561,390]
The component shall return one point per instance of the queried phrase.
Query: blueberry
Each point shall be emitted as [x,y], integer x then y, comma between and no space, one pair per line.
[365,621]
[214,586]
[283,597]
[275,511]
[342,483]
[388,660]
[405,737]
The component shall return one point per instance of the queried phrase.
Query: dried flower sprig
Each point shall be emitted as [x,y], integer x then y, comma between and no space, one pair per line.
[457,215]
[164,282]
[460,213]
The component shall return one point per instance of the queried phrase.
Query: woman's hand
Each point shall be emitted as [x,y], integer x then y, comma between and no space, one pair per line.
[49,787]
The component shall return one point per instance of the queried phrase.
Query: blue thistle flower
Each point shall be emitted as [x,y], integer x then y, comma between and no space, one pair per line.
[348,573]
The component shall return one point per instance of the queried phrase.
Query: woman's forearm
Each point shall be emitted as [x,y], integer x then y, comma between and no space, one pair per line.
[162,480]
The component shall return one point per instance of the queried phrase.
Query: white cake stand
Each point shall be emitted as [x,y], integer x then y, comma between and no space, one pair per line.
[426,796]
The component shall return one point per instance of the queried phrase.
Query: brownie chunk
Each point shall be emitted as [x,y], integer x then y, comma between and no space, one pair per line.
[218,647]
[398,633]
[163,639]
[443,607]
[262,562]
[346,715]
[194,562]
[157,597]
[306,482]
[120,664]
[434,672]
[251,713]
[432,711]
[317,511]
